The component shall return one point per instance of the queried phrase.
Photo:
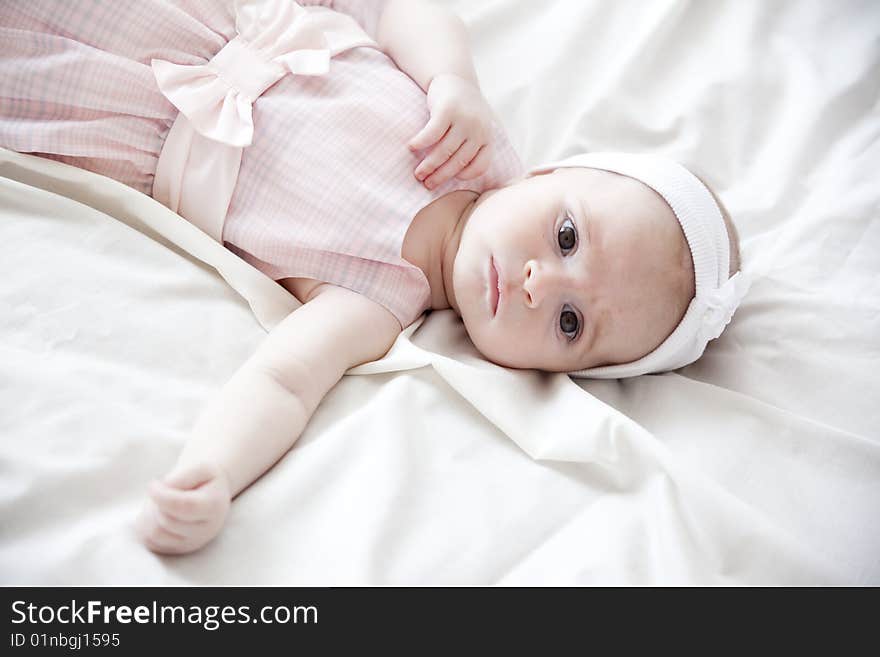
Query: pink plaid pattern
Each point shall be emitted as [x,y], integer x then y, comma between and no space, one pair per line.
[326,190]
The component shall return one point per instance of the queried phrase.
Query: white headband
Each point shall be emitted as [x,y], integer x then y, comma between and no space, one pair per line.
[716,296]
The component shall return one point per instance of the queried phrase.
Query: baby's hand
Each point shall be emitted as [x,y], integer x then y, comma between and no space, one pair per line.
[458,111]
[185,510]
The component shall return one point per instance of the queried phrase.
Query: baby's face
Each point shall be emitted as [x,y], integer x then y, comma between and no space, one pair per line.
[592,269]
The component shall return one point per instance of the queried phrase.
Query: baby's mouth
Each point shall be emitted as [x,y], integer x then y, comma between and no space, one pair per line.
[494,287]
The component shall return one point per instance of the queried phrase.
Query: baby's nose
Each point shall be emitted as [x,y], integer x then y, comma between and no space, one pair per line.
[533,283]
[539,281]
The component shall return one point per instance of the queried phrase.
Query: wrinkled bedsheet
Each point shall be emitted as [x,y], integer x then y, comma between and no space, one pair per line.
[759,464]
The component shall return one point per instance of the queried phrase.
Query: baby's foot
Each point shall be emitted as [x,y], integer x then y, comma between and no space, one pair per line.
[185,510]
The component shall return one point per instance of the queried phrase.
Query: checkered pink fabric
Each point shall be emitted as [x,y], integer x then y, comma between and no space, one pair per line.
[325,191]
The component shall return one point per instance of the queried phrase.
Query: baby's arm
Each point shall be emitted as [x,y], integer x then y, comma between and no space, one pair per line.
[261,411]
[430,44]
[425,40]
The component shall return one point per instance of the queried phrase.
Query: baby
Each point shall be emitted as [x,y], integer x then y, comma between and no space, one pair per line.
[601,265]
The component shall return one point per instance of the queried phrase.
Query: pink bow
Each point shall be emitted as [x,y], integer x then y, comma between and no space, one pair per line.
[275,37]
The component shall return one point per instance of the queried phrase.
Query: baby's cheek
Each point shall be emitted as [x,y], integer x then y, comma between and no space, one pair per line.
[501,347]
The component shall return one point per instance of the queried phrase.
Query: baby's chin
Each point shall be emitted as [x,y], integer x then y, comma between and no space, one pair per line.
[480,335]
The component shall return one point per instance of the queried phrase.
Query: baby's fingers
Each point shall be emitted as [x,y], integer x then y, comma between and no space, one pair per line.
[162,541]
[440,154]
[185,505]
[153,534]
[456,162]
[191,476]
[432,132]
[177,527]
[479,165]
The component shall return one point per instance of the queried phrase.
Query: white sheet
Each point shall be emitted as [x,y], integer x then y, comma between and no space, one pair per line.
[758,464]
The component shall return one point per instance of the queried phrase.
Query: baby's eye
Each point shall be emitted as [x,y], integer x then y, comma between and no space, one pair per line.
[568,322]
[567,236]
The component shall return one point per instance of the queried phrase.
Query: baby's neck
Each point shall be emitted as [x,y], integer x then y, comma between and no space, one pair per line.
[432,240]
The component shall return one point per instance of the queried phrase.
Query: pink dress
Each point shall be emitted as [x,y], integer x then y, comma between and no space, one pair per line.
[326,188]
